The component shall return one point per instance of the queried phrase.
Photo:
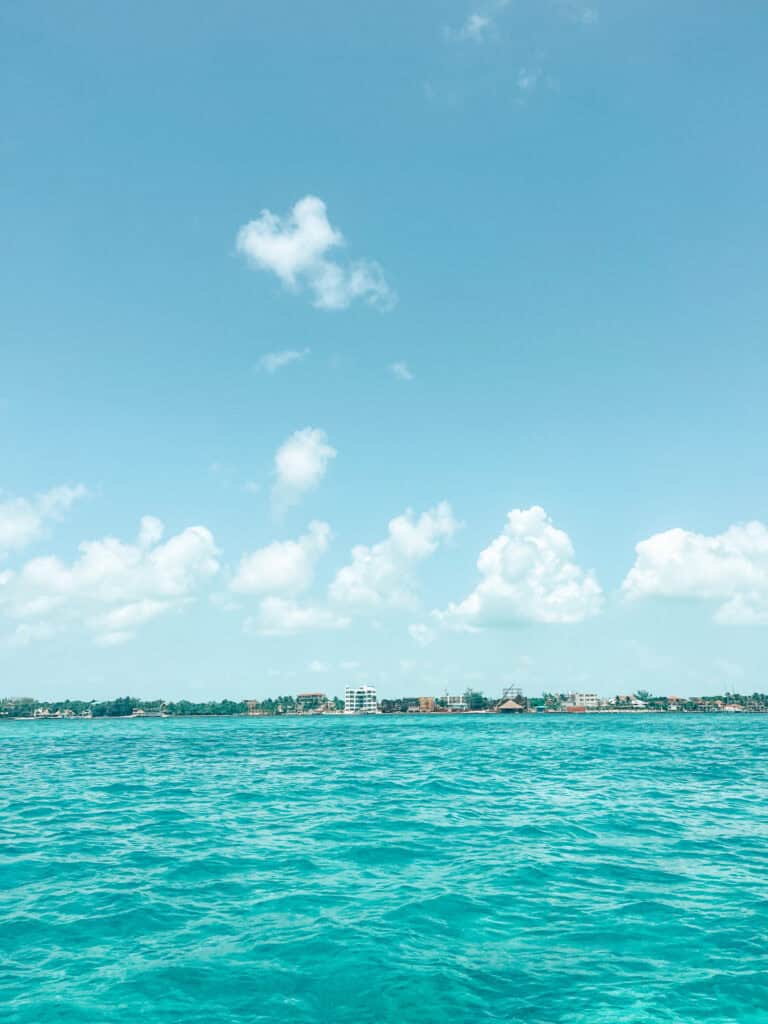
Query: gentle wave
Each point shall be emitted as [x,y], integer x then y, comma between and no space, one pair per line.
[405,870]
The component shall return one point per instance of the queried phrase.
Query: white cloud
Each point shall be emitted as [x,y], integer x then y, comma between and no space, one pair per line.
[113,588]
[319,667]
[283,567]
[26,633]
[528,575]
[402,371]
[300,464]
[120,624]
[421,634]
[581,13]
[23,520]
[481,25]
[382,573]
[271,362]
[296,248]
[278,616]
[475,28]
[730,568]
[151,531]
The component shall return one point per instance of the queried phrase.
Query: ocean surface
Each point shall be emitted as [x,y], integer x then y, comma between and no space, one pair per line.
[390,870]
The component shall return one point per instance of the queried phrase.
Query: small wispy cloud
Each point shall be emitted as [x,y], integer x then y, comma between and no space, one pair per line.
[528,79]
[575,10]
[474,29]
[421,634]
[521,55]
[401,370]
[271,362]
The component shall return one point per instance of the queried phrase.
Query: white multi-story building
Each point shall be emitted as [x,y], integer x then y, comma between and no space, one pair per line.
[584,700]
[456,703]
[360,700]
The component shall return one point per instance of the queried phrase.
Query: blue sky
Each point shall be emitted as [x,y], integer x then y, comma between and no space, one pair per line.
[554,218]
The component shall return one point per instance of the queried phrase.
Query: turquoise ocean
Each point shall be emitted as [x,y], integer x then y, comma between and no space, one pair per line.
[397,870]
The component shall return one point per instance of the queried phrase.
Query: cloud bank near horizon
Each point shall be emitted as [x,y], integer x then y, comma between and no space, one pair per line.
[529,574]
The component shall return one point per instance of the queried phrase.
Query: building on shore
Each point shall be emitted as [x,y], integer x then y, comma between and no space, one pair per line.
[510,707]
[360,700]
[399,705]
[627,700]
[426,704]
[456,703]
[590,701]
[308,702]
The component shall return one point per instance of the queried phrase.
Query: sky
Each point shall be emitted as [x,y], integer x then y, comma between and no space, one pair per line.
[415,345]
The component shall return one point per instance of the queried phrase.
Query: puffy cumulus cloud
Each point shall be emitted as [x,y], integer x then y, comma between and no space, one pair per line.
[113,588]
[296,249]
[283,567]
[730,568]
[378,576]
[279,616]
[381,574]
[528,575]
[301,463]
[23,520]
[271,362]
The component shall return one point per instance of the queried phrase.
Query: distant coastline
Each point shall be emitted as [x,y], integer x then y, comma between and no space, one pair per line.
[362,700]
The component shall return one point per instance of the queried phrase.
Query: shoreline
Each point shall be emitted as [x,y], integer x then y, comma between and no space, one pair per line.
[591,713]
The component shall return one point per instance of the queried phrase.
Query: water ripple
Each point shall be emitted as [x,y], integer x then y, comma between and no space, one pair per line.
[405,870]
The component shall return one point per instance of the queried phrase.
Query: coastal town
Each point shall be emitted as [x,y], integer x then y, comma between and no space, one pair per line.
[364,700]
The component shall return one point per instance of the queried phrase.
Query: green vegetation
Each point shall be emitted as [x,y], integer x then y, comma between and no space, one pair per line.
[477,701]
[123,707]
[120,707]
